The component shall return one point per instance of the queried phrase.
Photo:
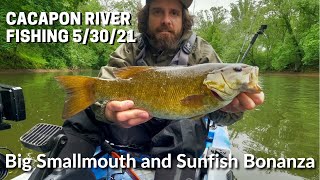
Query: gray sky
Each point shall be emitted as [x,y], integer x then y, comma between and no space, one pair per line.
[206,4]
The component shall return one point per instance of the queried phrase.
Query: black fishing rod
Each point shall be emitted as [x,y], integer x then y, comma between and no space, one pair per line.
[253,40]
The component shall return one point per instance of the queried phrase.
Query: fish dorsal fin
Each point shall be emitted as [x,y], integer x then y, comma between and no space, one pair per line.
[128,72]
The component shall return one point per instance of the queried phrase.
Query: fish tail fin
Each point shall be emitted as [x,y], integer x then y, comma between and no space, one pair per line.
[80,93]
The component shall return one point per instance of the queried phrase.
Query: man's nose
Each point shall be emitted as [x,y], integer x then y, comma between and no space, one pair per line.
[166,19]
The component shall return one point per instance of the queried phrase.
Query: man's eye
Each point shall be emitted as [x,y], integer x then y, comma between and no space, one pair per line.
[175,13]
[156,12]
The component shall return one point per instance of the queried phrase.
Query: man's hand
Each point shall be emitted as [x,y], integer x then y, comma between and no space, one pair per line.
[243,102]
[124,113]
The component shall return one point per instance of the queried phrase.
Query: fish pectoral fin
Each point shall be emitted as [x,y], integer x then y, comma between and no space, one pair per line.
[197,117]
[128,72]
[193,100]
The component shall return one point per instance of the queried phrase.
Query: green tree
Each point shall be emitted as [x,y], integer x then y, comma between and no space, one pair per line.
[310,45]
[292,19]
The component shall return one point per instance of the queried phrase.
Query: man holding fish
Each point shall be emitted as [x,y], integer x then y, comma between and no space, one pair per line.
[139,116]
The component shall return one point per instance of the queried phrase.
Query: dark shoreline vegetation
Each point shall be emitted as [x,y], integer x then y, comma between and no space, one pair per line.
[29,66]
[308,73]
[291,43]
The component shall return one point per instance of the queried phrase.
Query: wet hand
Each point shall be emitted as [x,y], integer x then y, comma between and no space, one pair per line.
[244,101]
[124,113]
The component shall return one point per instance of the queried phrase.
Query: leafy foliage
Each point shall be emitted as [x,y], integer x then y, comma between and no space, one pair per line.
[292,38]
[310,45]
[52,55]
[291,42]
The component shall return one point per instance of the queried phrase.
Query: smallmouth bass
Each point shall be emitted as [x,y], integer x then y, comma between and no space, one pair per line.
[171,92]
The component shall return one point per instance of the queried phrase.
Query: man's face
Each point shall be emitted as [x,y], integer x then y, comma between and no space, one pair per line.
[165,23]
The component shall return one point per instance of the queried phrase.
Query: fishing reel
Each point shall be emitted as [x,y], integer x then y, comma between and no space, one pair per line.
[3,169]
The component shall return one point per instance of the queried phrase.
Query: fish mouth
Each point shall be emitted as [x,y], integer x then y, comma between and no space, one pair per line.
[216,95]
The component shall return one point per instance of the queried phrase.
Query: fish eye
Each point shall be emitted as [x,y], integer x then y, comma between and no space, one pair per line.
[237,69]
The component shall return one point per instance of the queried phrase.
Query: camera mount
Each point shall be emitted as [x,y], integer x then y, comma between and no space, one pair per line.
[3,125]
[12,106]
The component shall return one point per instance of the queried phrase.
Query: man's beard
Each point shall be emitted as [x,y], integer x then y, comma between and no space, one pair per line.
[169,40]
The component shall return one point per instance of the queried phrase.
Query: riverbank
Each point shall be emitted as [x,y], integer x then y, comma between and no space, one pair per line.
[300,74]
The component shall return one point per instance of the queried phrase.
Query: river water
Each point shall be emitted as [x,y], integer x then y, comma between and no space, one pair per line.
[286,125]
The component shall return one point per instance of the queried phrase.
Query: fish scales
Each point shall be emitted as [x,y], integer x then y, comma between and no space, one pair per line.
[160,92]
